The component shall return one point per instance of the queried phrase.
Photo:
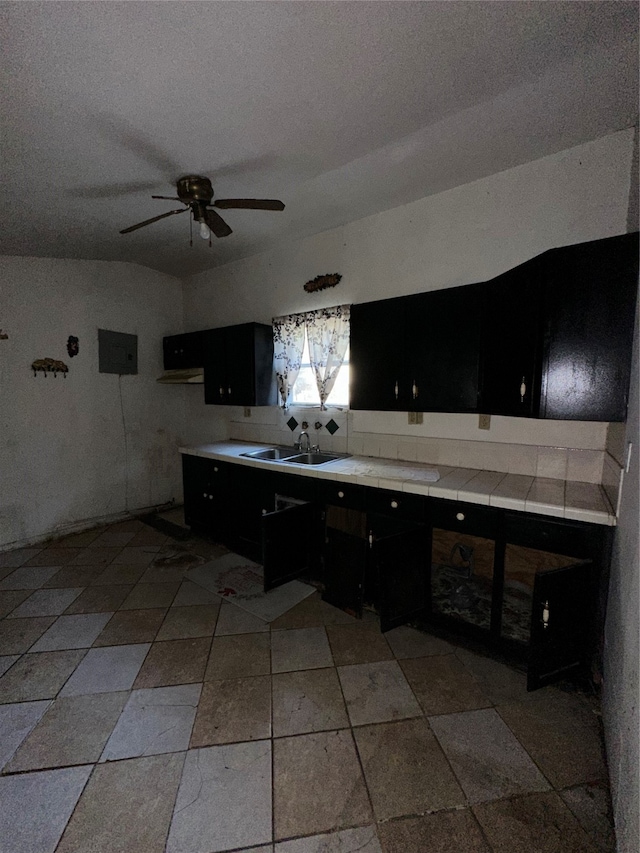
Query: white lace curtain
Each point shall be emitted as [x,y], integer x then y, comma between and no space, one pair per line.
[328,334]
[288,343]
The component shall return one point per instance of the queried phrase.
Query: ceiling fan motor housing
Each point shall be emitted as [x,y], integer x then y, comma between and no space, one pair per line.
[194,188]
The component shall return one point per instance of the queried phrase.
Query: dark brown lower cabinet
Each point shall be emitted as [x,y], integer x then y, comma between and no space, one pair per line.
[528,587]
[287,539]
[345,558]
[398,553]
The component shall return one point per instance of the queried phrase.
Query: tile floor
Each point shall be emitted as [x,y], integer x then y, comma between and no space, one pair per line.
[139,712]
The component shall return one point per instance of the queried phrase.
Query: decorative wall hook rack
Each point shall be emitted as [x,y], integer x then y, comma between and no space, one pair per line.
[49,365]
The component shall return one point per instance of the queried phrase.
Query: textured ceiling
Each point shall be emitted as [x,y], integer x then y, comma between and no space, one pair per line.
[341,109]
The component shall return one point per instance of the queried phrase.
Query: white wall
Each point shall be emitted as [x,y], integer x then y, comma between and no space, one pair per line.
[62,445]
[467,234]
[621,689]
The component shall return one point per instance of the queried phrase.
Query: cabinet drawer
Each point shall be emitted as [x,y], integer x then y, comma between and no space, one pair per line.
[295,486]
[396,504]
[559,537]
[341,494]
[467,518]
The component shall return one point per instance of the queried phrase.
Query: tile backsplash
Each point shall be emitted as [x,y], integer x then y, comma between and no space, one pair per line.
[585,463]
[560,450]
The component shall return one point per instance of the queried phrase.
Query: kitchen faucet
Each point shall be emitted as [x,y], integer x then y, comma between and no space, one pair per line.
[306,449]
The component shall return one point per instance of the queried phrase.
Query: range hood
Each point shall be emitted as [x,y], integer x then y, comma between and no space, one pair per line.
[185,376]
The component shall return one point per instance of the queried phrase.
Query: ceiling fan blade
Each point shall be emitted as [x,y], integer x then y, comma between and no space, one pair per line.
[216,223]
[249,203]
[113,190]
[167,197]
[154,219]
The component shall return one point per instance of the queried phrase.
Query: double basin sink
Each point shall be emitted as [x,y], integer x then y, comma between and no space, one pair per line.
[287,454]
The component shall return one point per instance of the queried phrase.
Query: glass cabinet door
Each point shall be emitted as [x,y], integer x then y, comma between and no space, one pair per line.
[462,576]
[521,565]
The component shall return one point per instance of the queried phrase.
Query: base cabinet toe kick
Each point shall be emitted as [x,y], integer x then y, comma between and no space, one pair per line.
[527,588]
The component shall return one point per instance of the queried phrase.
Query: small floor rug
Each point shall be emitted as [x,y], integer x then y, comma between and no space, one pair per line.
[241,582]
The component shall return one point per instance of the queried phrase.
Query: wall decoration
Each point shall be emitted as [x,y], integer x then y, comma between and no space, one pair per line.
[49,365]
[73,346]
[320,282]
[3,336]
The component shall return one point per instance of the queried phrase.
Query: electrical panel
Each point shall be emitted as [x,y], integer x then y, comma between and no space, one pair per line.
[117,352]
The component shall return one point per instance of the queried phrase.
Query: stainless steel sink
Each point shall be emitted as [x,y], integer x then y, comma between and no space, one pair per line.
[272,453]
[318,458]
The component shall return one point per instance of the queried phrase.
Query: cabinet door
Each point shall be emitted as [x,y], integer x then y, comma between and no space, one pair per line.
[215,367]
[182,351]
[345,558]
[511,342]
[238,366]
[286,543]
[589,297]
[377,345]
[251,497]
[443,328]
[206,494]
[465,566]
[399,552]
[560,619]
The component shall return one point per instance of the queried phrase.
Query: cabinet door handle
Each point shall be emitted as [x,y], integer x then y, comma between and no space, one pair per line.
[340,494]
[210,497]
[229,390]
[221,389]
[394,504]
[370,539]
[523,390]
[460,516]
[545,615]
[414,390]
[205,495]
[215,469]
[395,388]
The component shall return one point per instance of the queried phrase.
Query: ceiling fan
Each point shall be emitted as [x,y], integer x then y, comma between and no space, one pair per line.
[196,194]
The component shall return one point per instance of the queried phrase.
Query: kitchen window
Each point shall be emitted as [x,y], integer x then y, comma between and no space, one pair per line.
[305,390]
[311,357]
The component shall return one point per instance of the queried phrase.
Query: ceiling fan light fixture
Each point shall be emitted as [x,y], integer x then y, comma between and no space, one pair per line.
[205,233]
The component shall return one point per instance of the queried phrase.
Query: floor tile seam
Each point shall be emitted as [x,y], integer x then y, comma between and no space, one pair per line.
[272,741]
[117,645]
[73,810]
[447,761]
[313,732]
[355,745]
[12,774]
[524,794]
[100,763]
[452,810]
[175,799]
[328,832]
[522,746]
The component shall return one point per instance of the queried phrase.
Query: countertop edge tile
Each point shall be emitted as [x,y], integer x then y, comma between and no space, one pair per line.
[593,509]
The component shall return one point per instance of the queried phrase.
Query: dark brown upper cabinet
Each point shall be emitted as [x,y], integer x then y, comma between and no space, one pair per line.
[378,356]
[443,339]
[183,351]
[550,338]
[512,341]
[589,301]
[417,353]
[238,366]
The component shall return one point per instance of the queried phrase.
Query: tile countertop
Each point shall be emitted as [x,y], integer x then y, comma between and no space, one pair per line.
[541,495]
